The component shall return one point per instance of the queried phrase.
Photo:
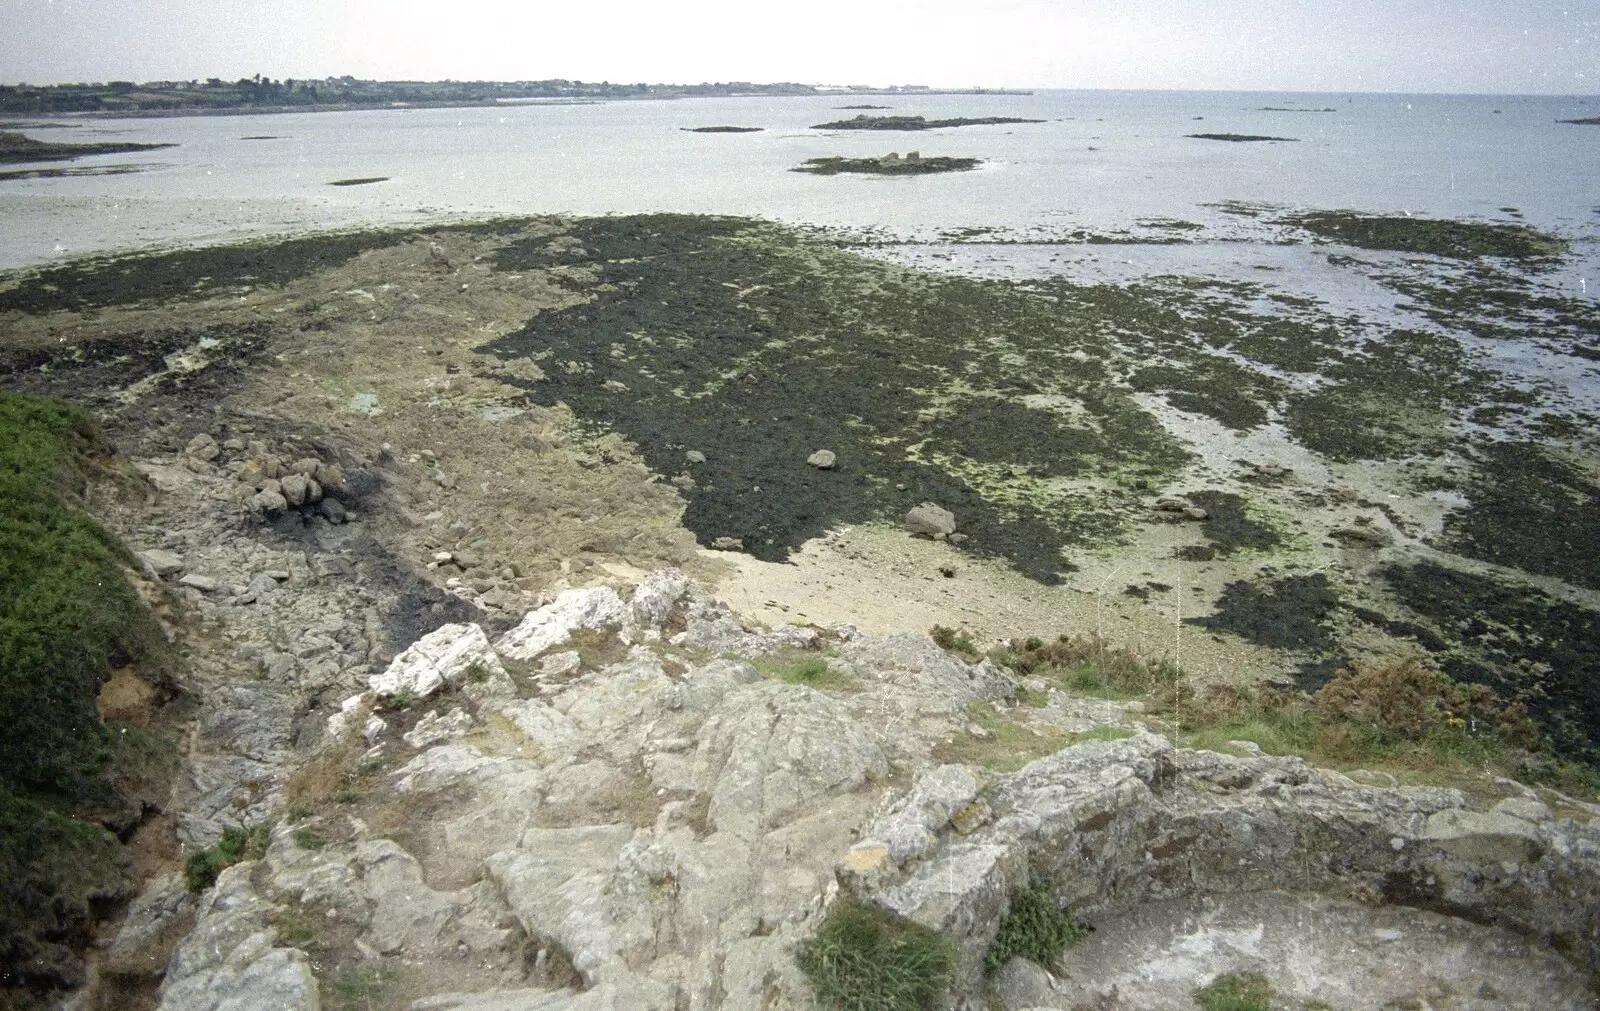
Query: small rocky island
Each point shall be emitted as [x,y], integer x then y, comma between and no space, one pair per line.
[915,123]
[720,129]
[17,147]
[891,164]
[1241,138]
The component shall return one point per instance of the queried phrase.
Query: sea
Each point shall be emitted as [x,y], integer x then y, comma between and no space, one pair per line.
[1100,162]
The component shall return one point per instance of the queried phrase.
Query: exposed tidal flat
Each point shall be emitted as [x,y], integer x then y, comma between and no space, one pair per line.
[1218,458]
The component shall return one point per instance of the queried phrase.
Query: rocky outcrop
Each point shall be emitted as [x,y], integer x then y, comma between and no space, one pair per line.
[663,828]
[1114,825]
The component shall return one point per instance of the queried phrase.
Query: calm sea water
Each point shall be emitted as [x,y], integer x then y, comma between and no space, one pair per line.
[1101,161]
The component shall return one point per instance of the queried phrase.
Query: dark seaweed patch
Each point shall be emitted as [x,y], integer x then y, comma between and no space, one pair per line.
[1290,613]
[916,122]
[360,181]
[720,129]
[1439,237]
[889,165]
[1240,138]
[1530,510]
[737,339]
[98,282]
[1518,640]
[1227,526]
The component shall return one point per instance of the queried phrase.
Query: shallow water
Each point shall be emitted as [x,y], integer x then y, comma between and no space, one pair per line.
[1101,162]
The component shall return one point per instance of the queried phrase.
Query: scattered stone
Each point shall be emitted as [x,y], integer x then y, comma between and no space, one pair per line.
[931,520]
[822,459]
[560,664]
[1195,513]
[613,386]
[205,584]
[695,456]
[332,510]
[435,729]
[947,571]
[203,447]
[728,544]
[159,562]
[296,488]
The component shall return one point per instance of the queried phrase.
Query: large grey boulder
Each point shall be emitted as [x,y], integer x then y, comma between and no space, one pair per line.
[931,520]
[445,655]
[597,607]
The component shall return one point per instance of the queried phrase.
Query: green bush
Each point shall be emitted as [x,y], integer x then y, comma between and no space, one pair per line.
[200,868]
[949,640]
[1034,927]
[865,959]
[1236,991]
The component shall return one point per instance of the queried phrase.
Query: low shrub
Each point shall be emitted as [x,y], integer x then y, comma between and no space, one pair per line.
[1034,927]
[865,959]
[1088,665]
[959,643]
[201,867]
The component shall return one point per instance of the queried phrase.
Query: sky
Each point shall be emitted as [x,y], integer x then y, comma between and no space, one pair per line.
[1499,46]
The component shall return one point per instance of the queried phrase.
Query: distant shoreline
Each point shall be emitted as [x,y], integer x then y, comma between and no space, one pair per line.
[22,119]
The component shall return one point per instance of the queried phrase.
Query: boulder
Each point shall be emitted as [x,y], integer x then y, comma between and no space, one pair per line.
[202,447]
[160,563]
[656,596]
[930,520]
[295,488]
[596,607]
[822,459]
[443,655]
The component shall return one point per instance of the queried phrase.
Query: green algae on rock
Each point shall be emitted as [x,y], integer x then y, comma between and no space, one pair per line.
[1436,236]
[891,164]
[916,122]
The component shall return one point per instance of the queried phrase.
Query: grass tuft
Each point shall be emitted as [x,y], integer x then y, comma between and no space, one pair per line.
[1236,991]
[792,667]
[1034,927]
[865,959]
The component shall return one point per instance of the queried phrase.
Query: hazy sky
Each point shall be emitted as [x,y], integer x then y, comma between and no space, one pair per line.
[1537,46]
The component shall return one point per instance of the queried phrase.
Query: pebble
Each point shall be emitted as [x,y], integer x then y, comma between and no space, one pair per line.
[695,456]
[822,459]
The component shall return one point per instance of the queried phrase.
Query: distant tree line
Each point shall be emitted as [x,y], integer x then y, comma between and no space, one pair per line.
[263,92]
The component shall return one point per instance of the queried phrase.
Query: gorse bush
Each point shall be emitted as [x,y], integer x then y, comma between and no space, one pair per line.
[1087,665]
[865,959]
[1034,927]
